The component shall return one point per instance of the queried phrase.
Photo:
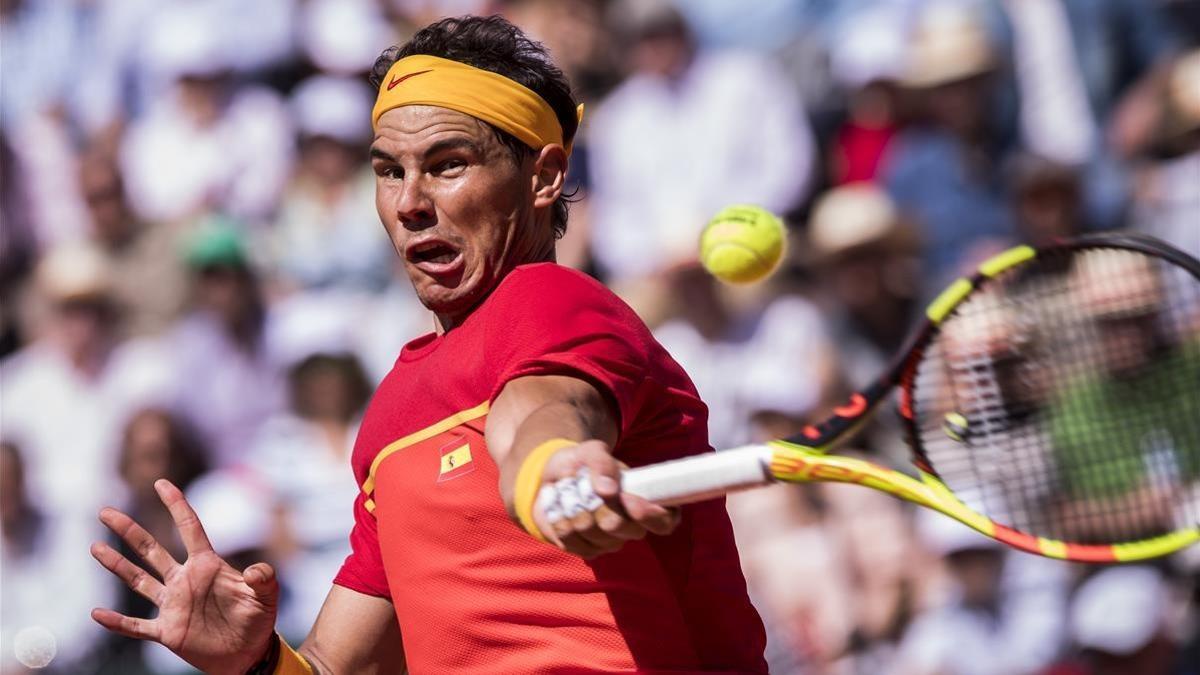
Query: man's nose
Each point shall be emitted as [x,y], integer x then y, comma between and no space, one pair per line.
[414,207]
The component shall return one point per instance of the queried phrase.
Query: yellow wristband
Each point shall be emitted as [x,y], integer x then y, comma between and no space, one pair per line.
[290,662]
[529,481]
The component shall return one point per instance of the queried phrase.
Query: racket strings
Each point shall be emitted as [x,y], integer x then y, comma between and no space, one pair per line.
[1063,398]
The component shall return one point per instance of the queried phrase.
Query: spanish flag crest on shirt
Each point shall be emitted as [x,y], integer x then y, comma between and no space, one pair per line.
[456,460]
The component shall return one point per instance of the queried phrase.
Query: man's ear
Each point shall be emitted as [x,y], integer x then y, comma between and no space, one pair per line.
[549,175]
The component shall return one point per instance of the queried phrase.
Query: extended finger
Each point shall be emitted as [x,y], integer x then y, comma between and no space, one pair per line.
[191,531]
[657,519]
[136,578]
[139,540]
[138,629]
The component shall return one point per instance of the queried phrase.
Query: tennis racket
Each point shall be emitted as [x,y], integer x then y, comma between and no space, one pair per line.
[1051,401]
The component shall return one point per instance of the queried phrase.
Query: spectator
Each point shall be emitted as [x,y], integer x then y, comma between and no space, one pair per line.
[155,444]
[18,244]
[1166,199]
[737,133]
[47,582]
[1119,625]
[313,438]
[1082,70]
[37,38]
[149,282]
[67,393]
[225,382]
[343,37]
[715,333]
[205,144]
[866,57]
[944,172]
[327,234]
[863,252]
[992,621]
[1047,200]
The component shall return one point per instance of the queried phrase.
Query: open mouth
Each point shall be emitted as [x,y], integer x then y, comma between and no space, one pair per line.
[433,255]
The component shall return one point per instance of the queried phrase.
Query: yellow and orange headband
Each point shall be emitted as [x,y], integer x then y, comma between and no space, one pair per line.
[482,94]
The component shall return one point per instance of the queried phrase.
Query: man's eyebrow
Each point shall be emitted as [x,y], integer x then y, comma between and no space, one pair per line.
[376,153]
[439,146]
[453,144]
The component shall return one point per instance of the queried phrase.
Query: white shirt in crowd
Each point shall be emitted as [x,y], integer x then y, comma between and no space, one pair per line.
[239,164]
[1056,120]
[67,425]
[777,365]
[315,494]
[224,390]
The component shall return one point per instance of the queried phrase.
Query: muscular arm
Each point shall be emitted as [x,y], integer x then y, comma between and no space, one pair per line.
[354,633]
[532,410]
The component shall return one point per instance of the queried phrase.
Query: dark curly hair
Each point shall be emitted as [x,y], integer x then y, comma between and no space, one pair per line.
[492,43]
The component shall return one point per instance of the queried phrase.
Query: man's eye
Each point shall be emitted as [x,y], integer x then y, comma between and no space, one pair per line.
[390,172]
[449,165]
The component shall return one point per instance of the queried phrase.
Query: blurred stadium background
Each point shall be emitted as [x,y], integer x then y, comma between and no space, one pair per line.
[194,284]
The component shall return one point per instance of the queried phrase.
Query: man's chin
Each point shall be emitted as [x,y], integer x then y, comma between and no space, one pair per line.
[446,301]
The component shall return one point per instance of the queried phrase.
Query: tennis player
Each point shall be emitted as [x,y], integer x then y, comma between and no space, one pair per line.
[535,373]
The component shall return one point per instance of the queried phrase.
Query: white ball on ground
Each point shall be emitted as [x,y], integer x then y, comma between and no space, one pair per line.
[35,647]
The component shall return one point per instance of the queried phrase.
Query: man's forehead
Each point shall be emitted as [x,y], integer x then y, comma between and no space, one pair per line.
[412,126]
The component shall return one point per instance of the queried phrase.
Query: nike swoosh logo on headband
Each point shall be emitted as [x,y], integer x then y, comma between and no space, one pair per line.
[397,80]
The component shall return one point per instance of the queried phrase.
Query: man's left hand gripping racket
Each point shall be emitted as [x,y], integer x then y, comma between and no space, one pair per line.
[1051,402]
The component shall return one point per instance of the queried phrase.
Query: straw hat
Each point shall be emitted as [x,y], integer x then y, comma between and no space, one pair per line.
[74,272]
[949,44]
[1182,114]
[850,216]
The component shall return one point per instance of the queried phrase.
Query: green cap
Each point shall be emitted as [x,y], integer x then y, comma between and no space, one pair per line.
[217,241]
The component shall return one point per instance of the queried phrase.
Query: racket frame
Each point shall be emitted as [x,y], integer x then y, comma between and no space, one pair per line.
[802,458]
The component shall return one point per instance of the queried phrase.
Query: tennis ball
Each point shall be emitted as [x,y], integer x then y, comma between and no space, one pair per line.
[956,426]
[742,244]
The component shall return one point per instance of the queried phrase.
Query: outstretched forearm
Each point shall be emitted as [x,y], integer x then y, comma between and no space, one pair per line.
[532,410]
[541,430]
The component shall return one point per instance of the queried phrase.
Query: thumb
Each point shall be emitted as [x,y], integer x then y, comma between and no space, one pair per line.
[260,577]
[606,472]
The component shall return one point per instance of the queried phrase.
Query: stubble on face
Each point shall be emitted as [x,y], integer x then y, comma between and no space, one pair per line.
[457,206]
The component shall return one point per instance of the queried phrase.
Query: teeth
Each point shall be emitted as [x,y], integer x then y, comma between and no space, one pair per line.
[434,251]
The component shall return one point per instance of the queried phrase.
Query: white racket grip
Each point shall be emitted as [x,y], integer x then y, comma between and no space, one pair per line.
[694,479]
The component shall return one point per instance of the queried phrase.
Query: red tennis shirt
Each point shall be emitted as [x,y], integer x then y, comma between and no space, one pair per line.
[475,593]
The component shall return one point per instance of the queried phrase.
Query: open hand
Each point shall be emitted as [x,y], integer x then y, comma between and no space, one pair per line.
[214,617]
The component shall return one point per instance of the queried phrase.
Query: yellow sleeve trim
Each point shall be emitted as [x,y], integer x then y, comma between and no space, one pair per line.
[422,435]
[529,481]
[290,662]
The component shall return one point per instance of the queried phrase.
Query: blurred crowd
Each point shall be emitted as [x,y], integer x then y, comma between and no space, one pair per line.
[194,283]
